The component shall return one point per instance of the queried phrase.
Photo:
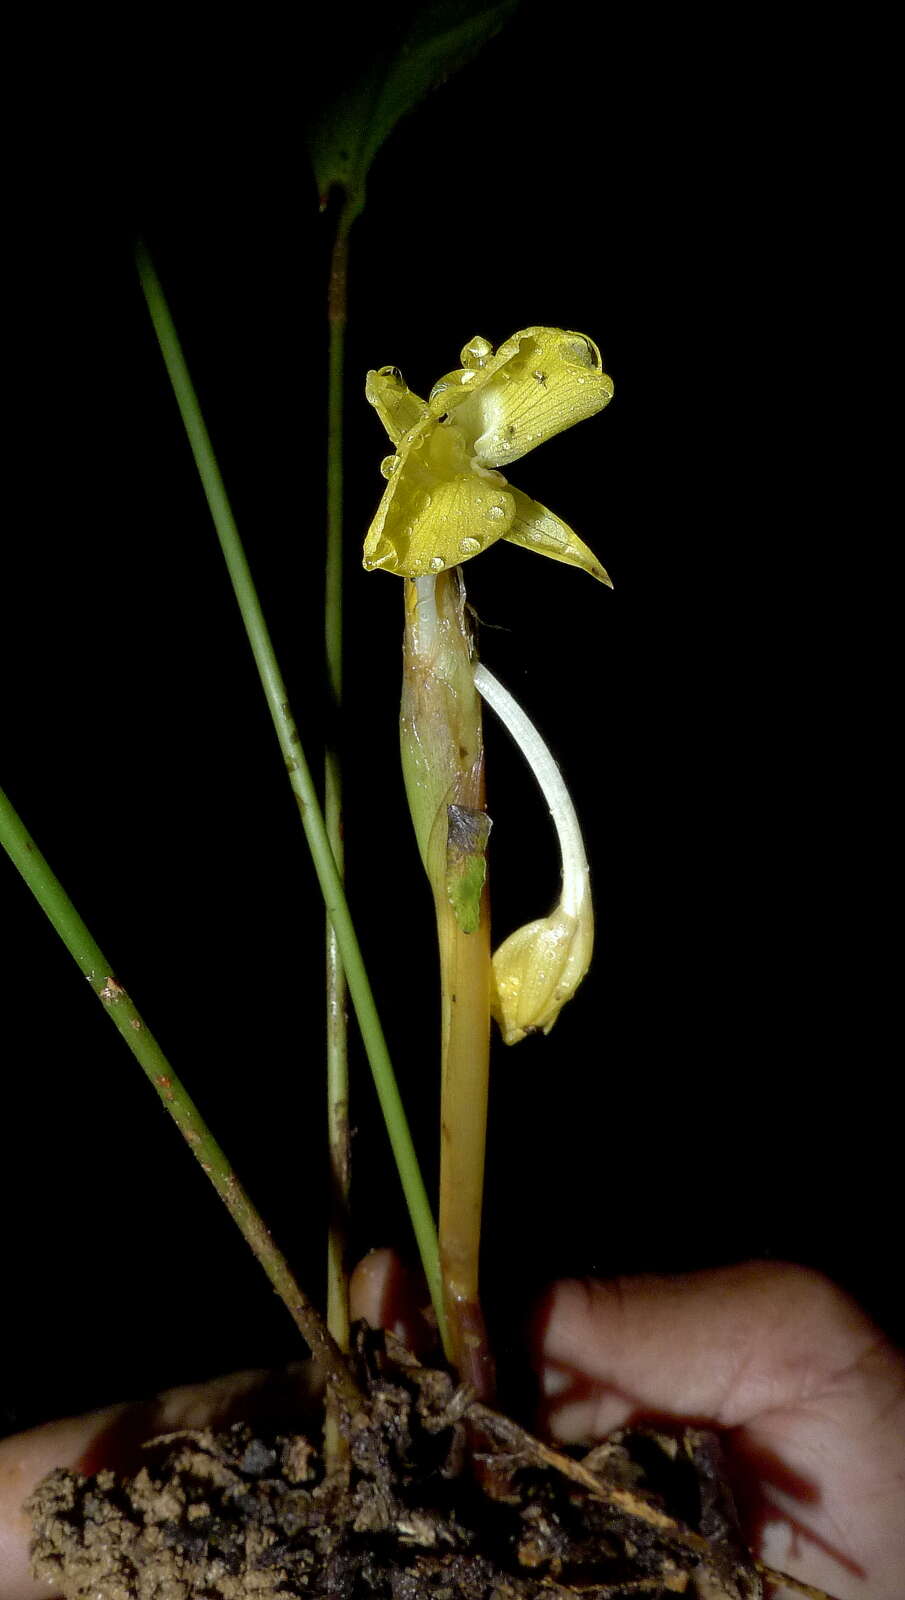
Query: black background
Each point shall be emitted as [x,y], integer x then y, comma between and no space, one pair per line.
[719,1088]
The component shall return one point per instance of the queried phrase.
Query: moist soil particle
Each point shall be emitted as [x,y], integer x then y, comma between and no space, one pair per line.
[438,1497]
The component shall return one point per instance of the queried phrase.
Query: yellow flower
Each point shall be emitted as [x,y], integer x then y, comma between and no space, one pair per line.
[445,501]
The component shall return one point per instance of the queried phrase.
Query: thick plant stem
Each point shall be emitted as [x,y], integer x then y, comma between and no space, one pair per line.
[55,902]
[465,984]
[302,784]
[337,1013]
[443,764]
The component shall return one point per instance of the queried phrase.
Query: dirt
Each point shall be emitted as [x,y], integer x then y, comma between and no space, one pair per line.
[437,1496]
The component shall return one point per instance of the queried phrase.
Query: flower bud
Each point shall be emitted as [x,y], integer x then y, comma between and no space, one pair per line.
[538,968]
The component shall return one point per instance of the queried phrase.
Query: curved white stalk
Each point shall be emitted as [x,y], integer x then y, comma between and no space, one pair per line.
[575,870]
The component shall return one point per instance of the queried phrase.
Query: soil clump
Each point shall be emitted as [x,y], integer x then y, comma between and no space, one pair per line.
[438,1497]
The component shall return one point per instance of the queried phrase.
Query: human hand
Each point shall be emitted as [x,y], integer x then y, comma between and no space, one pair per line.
[807,1394]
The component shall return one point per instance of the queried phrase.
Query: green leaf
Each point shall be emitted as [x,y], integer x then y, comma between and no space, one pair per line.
[466,865]
[395,71]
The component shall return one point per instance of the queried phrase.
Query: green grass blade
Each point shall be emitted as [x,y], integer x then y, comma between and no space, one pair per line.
[302,784]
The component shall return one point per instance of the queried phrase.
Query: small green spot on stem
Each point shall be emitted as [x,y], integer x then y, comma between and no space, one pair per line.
[466,864]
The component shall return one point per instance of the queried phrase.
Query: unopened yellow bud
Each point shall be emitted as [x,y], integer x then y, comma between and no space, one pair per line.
[538,968]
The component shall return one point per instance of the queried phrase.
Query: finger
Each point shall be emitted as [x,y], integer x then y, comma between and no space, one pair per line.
[113,1437]
[386,1294]
[722,1346]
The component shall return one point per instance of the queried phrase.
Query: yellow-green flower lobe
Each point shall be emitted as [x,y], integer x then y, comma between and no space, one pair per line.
[445,501]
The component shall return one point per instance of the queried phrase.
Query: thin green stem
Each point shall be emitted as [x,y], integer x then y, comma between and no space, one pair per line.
[338,1141]
[55,902]
[302,784]
[336,319]
[337,1012]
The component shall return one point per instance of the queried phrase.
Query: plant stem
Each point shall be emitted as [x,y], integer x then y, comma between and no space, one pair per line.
[443,763]
[58,907]
[465,993]
[336,1450]
[301,782]
[337,1012]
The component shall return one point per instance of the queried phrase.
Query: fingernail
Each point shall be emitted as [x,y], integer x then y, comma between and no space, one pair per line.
[555,1380]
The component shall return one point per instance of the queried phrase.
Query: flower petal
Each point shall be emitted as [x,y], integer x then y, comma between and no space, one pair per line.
[444,502]
[538,529]
[439,508]
[539,382]
[397,407]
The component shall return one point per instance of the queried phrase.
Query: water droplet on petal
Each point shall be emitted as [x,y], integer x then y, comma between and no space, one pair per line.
[476,352]
[579,348]
[496,513]
[469,547]
[437,563]
[388,465]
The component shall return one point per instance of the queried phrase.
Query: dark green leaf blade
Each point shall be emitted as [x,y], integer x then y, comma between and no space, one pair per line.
[436,40]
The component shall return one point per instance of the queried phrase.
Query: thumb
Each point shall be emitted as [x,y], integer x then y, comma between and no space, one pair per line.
[387,1294]
[721,1346]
